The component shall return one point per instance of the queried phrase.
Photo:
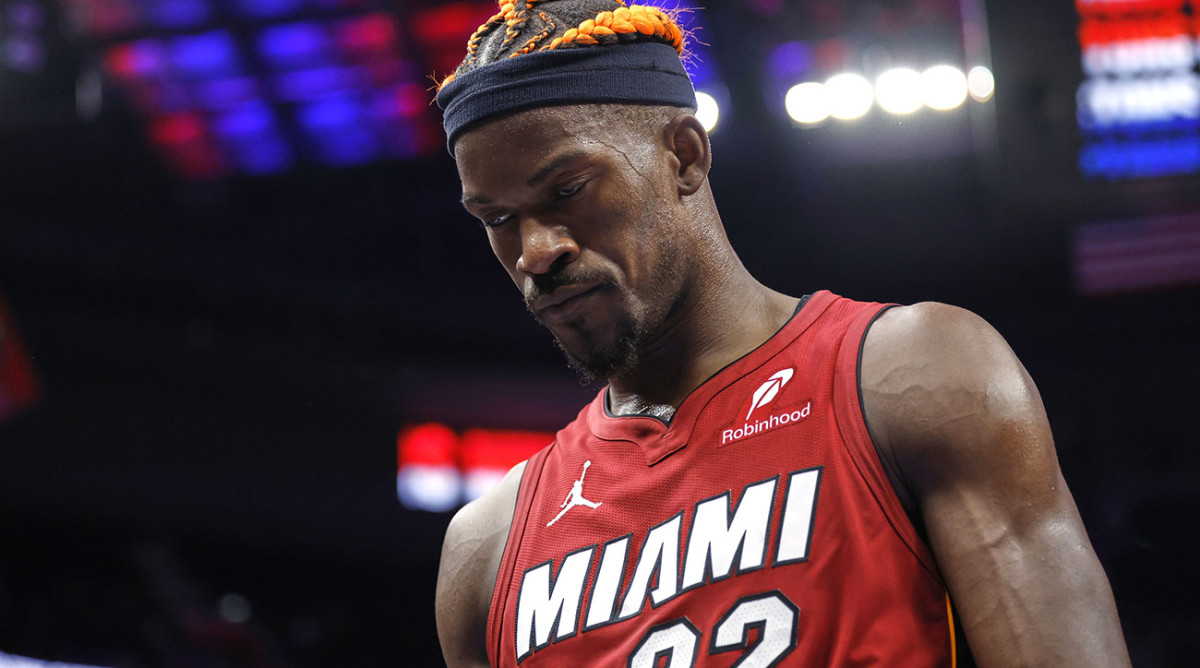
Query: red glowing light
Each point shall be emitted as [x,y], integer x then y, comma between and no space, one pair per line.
[1125,7]
[427,444]
[443,30]
[433,444]
[452,22]
[1096,32]
[367,36]
[493,449]
[183,140]
[19,388]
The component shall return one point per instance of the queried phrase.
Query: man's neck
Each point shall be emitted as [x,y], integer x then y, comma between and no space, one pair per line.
[706,336]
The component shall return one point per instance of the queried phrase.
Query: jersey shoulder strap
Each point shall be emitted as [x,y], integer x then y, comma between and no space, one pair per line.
[508,560]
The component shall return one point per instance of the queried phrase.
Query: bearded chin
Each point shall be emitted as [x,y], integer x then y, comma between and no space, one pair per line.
[604,361]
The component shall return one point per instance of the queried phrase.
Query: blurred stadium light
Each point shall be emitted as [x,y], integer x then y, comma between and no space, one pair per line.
[1139,104]
[879,71]
[439,470]
[14,661]
[19,387]
[1136,255]
[256,86]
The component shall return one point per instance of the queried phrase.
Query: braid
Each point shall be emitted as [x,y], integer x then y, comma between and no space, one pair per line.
[625,23]
[480,33]
[596,22]
[537,39]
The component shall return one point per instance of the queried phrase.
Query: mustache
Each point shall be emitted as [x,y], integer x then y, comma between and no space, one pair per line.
[545,284]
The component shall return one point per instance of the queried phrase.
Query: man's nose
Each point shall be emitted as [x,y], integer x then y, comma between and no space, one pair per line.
[543,246]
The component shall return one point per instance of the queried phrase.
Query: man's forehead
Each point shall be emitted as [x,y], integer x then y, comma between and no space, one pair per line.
[531,140]
[527,128]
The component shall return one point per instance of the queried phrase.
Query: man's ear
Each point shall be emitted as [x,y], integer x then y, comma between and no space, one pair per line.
[688,143]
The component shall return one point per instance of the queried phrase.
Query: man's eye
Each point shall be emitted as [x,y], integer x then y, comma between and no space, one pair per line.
[563,193]
[496,221]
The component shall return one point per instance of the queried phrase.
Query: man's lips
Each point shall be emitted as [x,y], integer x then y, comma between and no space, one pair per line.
[563,300]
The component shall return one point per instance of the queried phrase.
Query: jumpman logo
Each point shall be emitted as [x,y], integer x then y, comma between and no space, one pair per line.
[575,496]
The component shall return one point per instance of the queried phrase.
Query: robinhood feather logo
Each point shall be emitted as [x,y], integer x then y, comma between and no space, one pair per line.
[767,391]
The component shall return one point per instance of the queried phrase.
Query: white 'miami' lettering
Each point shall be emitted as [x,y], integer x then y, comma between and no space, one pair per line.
[715,533]
[542,609]
[799,508]
[608,583]
[548,608]
[660,553]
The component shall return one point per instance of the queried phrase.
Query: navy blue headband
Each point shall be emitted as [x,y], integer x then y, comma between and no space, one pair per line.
[638,73]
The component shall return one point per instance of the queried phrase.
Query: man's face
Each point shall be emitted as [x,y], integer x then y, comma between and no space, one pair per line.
[586,220]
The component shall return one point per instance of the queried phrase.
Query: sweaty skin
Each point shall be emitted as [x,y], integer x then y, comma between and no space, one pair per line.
[959,424]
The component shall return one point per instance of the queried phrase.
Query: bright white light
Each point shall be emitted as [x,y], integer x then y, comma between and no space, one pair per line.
[899,91]
[477,482]
[807,102]
[850,96]
[945,87]
[980,83]
[1104,102]
[436,488]
[1156,54]
[707,111]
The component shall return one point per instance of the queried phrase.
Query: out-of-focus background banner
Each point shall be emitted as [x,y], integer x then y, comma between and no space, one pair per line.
[253,353]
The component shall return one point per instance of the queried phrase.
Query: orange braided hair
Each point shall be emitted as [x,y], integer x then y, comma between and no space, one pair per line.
[633,20]
[625,23]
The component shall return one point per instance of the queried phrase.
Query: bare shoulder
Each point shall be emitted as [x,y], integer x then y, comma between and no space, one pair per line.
[471,554]
[954,412]
[938,380]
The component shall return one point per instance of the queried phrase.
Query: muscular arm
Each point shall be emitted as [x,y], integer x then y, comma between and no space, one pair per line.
[961,424]
[471,556]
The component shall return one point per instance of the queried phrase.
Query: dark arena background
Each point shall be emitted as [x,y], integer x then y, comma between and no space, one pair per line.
[253,353]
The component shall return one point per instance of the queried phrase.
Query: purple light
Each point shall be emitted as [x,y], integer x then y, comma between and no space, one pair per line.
[789,62]
[107,17]
[1136,255]
[338,132]
[384,72]
[136,60]
[227,93]
[179,13]
[294,46]
[24,54]
[367,37]
[408,100]
[267,8]
[208,55]
[156,97]
[252,137]
[26,16]
[338,4]
[174,96]
[314,83]
[401,116]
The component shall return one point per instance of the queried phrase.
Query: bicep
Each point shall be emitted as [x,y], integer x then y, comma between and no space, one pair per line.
[964,423]
[1027,585]
[461,632]
[471,555]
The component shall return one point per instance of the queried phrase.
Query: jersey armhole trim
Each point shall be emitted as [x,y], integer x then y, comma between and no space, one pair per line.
[530,478]
[851,420]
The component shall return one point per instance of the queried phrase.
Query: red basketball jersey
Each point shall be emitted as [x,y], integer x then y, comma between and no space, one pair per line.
[758,528]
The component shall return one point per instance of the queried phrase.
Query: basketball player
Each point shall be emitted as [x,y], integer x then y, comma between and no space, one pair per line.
[766,480]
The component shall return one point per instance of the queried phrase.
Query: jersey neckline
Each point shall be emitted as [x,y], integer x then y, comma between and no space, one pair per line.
[657,438]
